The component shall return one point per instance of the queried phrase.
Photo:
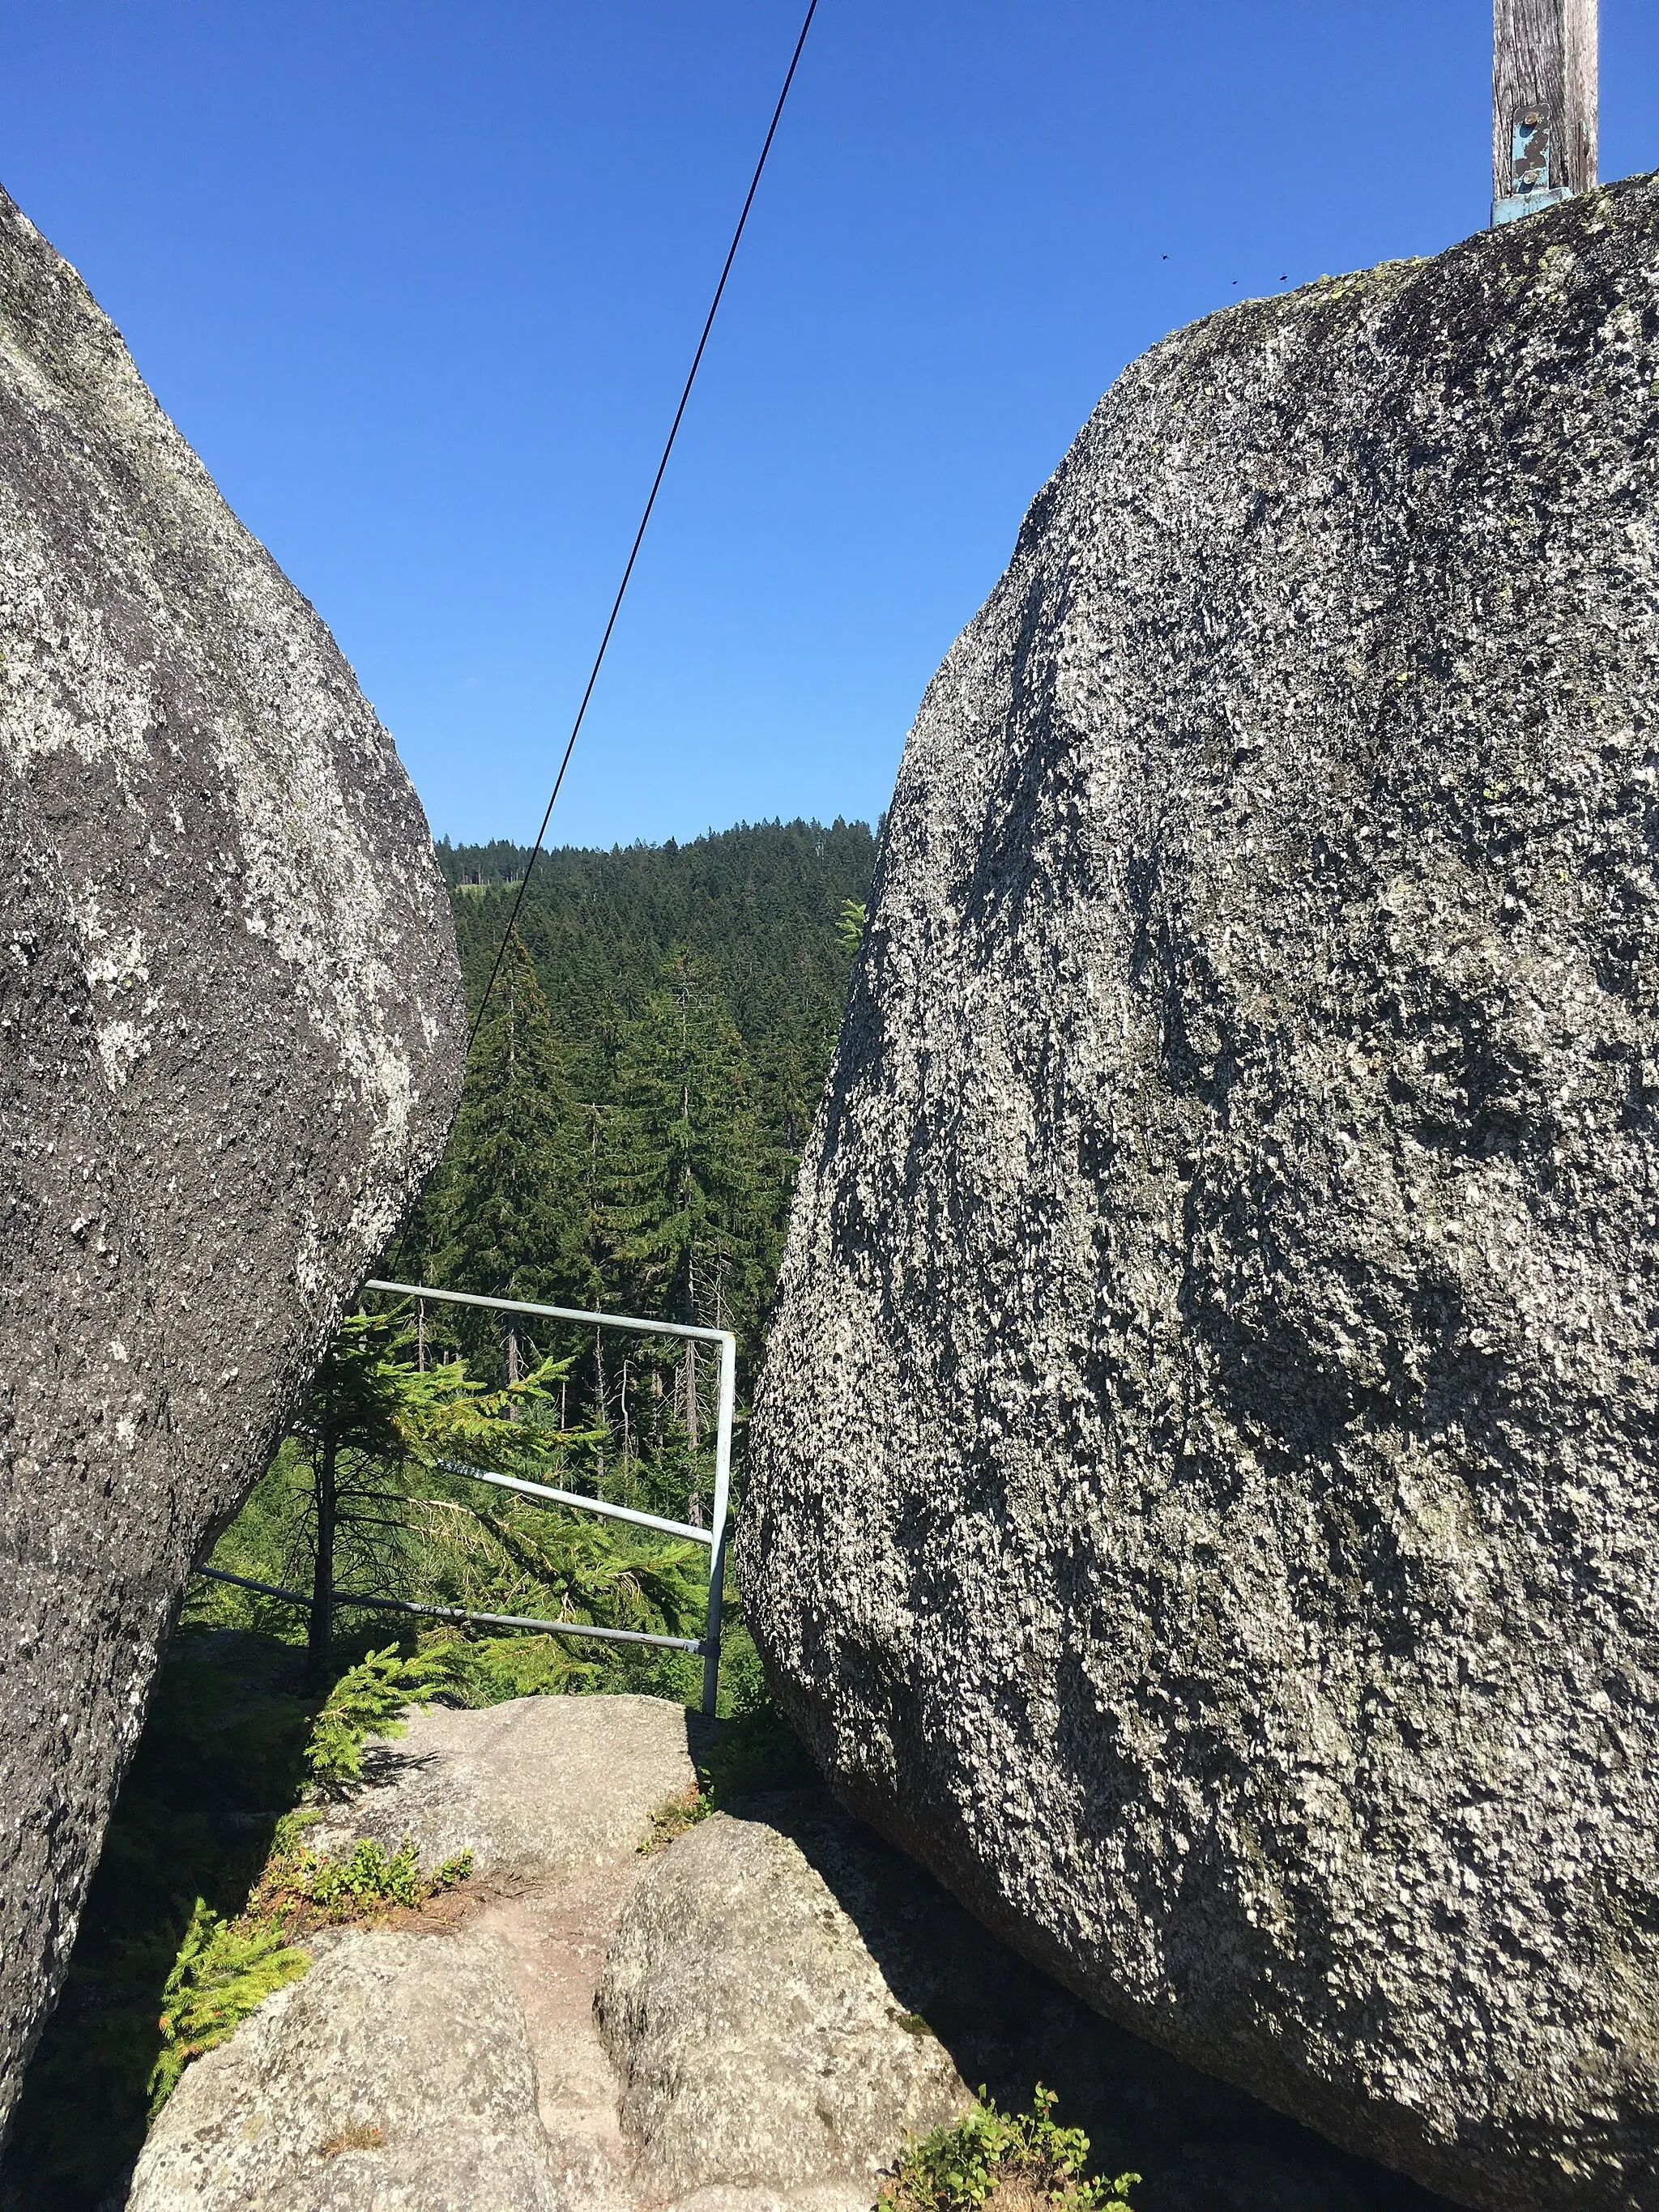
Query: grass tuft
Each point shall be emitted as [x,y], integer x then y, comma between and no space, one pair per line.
[363,2137]
[675,1815]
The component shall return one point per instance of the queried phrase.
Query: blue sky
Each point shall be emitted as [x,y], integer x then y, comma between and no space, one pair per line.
[420,283]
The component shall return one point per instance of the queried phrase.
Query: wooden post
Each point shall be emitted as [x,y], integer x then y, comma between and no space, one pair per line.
[1544,82]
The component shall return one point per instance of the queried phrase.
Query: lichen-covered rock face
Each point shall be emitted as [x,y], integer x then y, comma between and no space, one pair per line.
[754,2020]
[396,2077]
[230,1027]
[1204,1476]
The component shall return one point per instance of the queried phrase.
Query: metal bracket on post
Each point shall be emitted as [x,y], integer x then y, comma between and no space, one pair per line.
[1544,90]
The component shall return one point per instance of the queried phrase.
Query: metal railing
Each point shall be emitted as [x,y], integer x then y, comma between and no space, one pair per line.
[714,1536]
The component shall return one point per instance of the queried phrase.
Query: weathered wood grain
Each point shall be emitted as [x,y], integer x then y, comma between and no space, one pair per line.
[1544,56]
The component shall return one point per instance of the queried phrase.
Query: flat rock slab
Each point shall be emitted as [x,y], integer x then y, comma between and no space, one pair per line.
[535,1788]
[395,2077]
[1204,1485]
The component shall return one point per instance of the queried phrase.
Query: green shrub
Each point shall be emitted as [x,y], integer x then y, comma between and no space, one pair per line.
[370,1878]
[225,1970]
[367,1701]
[344,1888]
[961,2166]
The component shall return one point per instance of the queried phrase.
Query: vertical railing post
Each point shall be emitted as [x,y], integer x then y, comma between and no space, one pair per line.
[711,1638]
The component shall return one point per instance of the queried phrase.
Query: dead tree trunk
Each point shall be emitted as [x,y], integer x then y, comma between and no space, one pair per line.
[1544,91]
[321,1634]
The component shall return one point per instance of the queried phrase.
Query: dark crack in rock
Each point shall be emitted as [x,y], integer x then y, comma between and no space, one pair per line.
[230,1024]
[1204,1479]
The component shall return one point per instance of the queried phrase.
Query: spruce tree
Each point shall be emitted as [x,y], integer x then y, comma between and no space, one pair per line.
[511,1181]
[683,1204]
[682,1195]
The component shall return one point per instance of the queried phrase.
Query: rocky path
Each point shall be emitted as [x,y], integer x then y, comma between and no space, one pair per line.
[748,2019]
[449,2063]
[553,1943]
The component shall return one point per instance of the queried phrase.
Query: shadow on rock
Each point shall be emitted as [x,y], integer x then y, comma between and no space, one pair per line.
[1201,2145]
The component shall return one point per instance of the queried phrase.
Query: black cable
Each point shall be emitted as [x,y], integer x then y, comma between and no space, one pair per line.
[639,535]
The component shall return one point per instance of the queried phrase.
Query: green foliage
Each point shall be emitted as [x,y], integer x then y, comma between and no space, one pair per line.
[491,1669]
[851,926]
[512,1223]
[359,1398]
[368,1700]
[692,995]
[962,2165]
[368,1879]
[681,1162]
[409,1525]
[759,904]
[224,1970]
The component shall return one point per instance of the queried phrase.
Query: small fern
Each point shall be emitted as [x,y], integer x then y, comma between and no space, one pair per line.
[225,1970]
[961,2166]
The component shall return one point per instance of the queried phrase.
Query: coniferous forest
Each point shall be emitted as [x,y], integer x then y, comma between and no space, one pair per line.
[648,1070]
[644,1075]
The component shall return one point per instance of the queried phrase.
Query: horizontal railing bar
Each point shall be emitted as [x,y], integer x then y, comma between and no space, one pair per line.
[556,1313]
[514,1620]
[575,1498]
[265,1590]
[455,1612]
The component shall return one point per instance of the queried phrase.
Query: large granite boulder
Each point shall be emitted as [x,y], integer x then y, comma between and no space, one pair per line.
[1206,1489]
[396,2076]
[230,1026]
